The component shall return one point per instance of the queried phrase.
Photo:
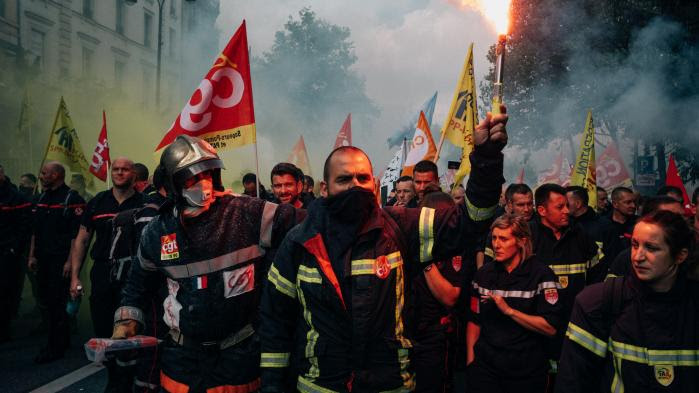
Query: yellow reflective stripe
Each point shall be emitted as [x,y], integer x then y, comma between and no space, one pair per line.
[311,336]
[426,228]
[408,378]
[586,339]
[309,274]
[306,386]
[489,252]
[564,270]
[280,283]
[610,275]
[654,357]
[368,266]
[479,213]
[405,343]
[274,359]
[617,382]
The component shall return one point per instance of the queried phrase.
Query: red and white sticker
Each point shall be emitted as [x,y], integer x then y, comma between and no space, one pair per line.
[239,281]
[382,268]
[551,295]
[168,247]
[456,263]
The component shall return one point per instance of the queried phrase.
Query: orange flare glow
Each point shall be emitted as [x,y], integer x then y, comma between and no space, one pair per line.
[497,12]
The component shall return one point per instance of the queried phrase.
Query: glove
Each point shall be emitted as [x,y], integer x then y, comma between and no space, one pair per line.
[124,329]
[490,135]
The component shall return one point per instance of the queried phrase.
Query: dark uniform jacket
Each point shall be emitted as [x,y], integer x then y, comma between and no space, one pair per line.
[570,258]
[595,228]
[617,236]
[504,346]
[15,220]
[343,320]
[214,266]
[57,216]
[648,343]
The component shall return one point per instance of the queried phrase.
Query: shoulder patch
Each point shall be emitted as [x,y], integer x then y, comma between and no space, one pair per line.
[168,247]
[551,295]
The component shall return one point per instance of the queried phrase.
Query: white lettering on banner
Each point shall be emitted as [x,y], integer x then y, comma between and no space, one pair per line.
[239,281]
[97,160]
[206,90]
[605,171]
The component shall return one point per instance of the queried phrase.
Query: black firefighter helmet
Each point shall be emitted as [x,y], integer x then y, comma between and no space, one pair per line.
[188,156]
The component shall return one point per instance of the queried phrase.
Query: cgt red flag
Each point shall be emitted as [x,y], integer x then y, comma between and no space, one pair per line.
[100,157]
[220,110]
[344,137]
[672,178]
[299,157]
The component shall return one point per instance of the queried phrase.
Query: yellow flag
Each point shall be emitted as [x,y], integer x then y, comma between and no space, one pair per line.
[584,171]
[463,117]
[64,146]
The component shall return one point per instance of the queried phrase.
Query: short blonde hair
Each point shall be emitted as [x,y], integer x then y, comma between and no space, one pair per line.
[520,230]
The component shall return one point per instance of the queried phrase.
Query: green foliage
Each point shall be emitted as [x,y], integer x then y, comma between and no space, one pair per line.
[306,78]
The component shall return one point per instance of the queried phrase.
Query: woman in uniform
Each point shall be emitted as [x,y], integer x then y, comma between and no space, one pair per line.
[515,308]
[640,332]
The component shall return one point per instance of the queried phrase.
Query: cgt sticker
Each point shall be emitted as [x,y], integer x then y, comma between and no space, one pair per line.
[168,247]
[381,267]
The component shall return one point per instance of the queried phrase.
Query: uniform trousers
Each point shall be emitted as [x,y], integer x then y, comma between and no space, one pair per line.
[10,286]
[483,379]
[53,292]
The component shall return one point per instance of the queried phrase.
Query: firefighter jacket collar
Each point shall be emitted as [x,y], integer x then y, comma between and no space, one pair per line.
[523,269]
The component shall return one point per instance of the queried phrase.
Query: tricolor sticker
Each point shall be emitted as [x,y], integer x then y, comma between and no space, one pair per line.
[551,295]
[168,247]
[201,282]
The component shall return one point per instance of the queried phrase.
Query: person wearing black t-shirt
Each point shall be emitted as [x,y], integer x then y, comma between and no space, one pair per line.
[56,221]
[515,310]
[107,276]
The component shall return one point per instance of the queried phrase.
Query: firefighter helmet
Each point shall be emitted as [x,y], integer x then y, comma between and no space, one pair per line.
[189,156]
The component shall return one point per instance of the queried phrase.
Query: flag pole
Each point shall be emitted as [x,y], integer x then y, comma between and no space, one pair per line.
[48,143]
[258,191]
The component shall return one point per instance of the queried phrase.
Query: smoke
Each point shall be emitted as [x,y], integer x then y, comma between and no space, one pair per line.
[647,91]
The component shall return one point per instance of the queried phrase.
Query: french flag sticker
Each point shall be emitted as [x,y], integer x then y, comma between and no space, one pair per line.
[201,282]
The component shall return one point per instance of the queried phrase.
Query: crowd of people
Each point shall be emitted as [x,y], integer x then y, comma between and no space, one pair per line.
[519,290]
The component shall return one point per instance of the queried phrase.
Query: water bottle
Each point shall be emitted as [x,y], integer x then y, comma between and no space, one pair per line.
[74,303]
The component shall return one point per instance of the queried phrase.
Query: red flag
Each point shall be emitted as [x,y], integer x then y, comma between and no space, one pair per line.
[520,178]
[220,110]
[100,157]
[611,171]
[553,174]
[299,157]
[672,178]
[344,137]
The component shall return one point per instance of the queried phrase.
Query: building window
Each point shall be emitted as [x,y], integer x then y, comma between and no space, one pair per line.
[2,8]
[148,30]
[119,73]
[119,16]
[37,47]
[88,63]
[89,8]
[172,42]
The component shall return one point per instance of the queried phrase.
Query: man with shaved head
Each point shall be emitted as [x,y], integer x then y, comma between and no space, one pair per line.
[57,217]
[108,272]
[340,284]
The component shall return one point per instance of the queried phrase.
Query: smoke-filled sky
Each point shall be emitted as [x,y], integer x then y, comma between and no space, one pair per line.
[406,50]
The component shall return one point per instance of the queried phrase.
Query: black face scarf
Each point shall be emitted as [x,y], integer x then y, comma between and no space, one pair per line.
[353,206]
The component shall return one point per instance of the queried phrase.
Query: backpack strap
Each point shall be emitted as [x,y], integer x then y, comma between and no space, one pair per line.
[613,298]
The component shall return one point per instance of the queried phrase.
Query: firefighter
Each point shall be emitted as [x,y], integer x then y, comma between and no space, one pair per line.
[108,274]
[336,300]
[57,215]
[640,332]
[514,308]
[211,246]
[436,292]
[15,220]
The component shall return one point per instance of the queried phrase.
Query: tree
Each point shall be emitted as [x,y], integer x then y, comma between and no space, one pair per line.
[632,62]
[306,80]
